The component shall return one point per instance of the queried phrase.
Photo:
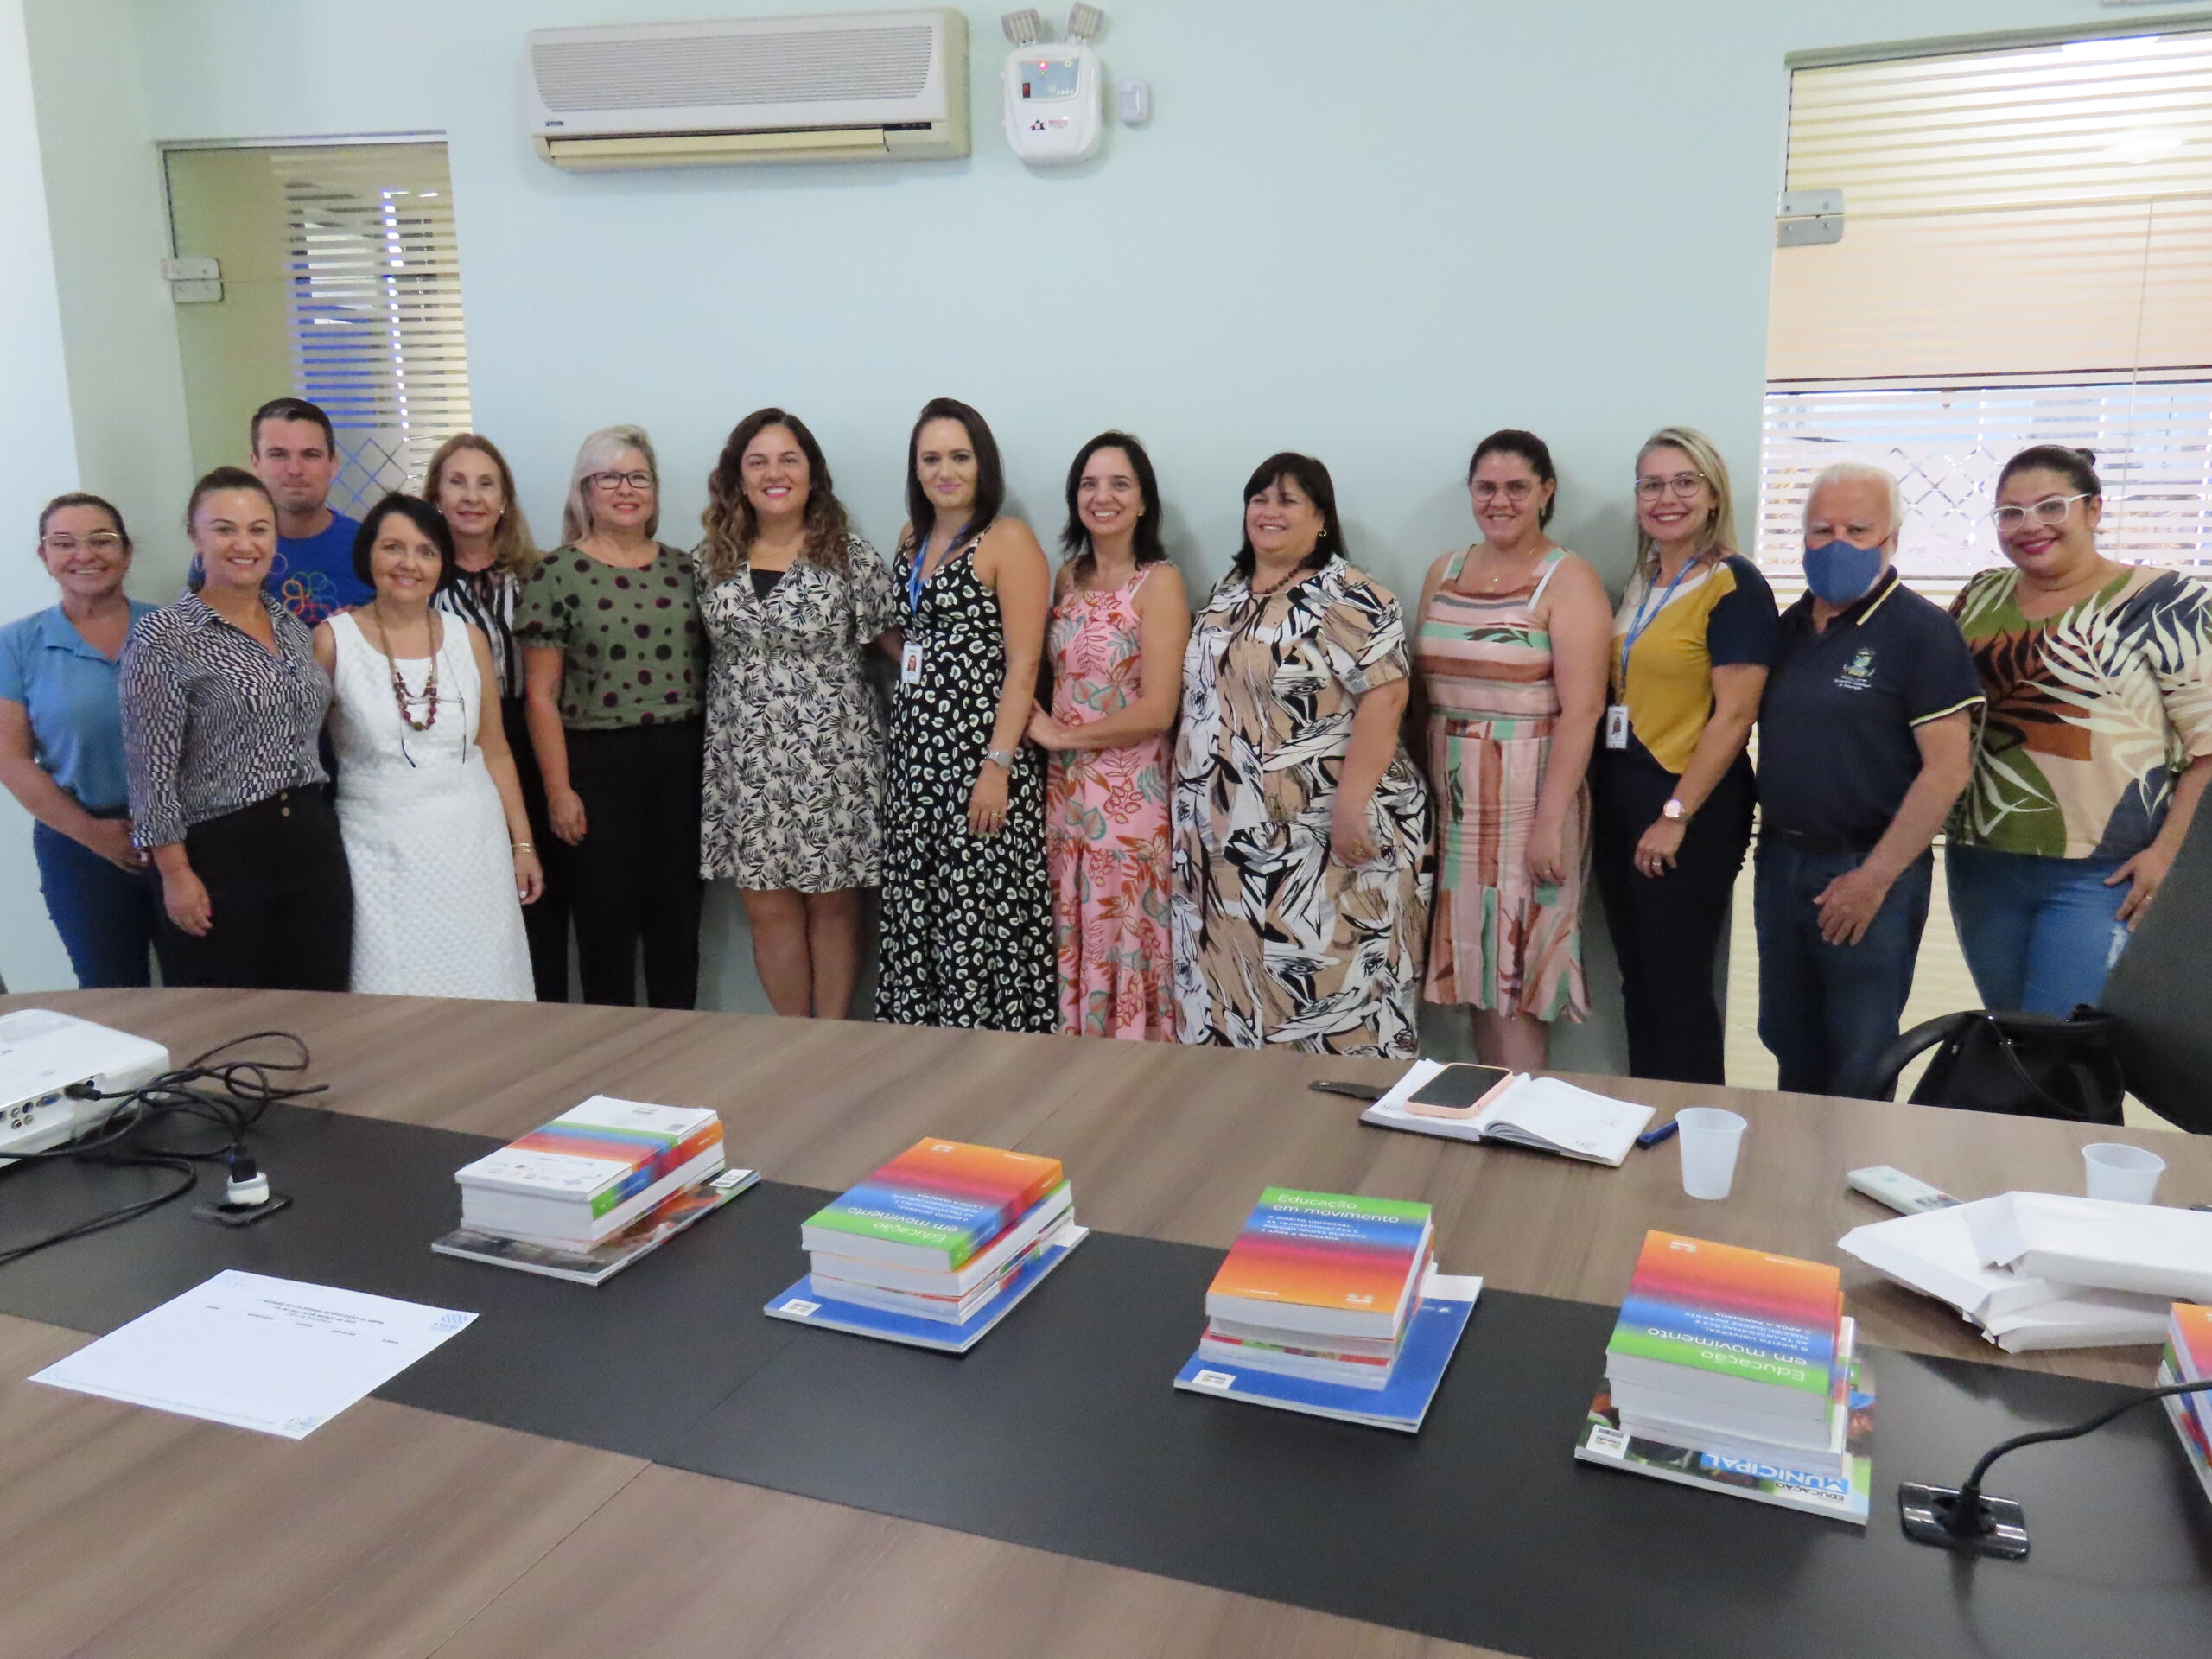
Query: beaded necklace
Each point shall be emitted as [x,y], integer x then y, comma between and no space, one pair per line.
[399,692]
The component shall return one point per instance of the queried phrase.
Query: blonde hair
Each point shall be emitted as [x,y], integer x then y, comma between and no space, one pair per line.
[1718,539]
[513,550]
[597,454]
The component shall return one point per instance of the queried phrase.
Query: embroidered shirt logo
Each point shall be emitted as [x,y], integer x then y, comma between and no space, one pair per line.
[1858,673]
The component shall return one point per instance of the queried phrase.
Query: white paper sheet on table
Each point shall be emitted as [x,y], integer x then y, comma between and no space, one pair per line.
[275,1355]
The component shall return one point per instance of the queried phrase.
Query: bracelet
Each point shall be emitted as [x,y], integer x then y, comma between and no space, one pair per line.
[1002,758]
[520,847]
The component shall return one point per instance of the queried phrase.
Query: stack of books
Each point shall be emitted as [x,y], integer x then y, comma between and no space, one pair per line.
[2037,1270]
[584,1196]
[1733,1370]
[1331,1304]
[935,1247]
[2188,1359]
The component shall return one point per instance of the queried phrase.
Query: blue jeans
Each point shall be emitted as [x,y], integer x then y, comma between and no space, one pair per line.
[104,915]
[2040,934]
[1827,1012]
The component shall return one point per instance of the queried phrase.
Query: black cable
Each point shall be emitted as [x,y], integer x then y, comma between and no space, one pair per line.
[113,1217]
[1964,1513]
[230,1095]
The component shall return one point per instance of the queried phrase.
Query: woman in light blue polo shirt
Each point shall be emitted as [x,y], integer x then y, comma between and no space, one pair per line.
[61,744]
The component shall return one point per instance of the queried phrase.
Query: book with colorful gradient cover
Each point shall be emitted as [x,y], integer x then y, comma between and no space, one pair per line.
[599,1154]
[2181,1409]
[809,1303]
[934,1205]
[1431,1337]
[1846,1494]
[2188,1352]
[1325,1263]
[1729,1325]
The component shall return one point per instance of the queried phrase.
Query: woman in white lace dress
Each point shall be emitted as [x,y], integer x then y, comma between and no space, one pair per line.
[428,797]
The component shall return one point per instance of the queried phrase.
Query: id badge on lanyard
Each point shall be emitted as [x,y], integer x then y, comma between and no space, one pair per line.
[910,660]
[1616,726]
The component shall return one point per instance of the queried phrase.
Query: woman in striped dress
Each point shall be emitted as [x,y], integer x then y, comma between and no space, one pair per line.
[1511,649]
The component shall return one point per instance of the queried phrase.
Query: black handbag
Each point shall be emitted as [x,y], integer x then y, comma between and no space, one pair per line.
[2022,1064]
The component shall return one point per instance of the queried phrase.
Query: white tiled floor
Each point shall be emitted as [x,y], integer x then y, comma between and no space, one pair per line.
[1940,985]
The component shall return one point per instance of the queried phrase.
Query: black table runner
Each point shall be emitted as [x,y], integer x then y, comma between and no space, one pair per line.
[1061,1431]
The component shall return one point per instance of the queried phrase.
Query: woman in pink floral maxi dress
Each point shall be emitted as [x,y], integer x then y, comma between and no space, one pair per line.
[1120,620]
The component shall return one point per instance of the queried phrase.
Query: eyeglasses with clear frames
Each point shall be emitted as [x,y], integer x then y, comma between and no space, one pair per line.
[1514,489]
[637,480]
[1684,484]
[2051,510]
[100,541]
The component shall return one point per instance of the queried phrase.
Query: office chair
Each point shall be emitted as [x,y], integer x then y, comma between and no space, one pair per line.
[2160,992]
[2155,1016]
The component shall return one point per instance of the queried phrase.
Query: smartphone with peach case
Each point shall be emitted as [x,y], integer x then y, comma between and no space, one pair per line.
[1458,1091]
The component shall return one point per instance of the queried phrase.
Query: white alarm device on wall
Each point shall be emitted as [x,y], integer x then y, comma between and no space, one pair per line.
[1055,93]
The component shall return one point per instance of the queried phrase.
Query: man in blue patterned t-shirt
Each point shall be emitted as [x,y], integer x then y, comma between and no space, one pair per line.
[295,455]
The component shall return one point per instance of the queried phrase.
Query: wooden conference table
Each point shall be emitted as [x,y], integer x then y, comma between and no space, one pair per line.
[397,1531]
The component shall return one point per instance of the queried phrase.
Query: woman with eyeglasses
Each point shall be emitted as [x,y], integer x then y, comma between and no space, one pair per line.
[1511,650]
[616,662]
[1672,784]
[61,745]
[223,706]
[1301,826]
[470,484]
[428,798]
[2095,745]
[966,904]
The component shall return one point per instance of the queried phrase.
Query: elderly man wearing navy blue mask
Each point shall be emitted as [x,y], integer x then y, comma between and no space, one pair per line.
[1865,740]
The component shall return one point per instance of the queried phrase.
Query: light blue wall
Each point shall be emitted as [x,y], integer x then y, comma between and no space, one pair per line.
[40,460]
[1374,232]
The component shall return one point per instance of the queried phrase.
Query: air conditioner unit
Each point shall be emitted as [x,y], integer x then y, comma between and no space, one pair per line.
[862,86]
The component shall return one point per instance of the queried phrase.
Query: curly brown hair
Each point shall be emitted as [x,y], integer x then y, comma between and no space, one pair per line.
[730,522]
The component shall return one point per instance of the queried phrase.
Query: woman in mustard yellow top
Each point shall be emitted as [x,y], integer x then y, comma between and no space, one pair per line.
[1672,786]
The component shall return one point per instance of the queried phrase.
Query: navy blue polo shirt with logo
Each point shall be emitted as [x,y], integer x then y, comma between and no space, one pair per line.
[1836,746]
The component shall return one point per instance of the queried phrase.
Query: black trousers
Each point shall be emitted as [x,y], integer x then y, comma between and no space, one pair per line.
[280,897]
[545,923]
[633,881]
[1667,930]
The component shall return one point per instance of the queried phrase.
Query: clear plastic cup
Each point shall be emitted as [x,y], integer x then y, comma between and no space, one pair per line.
[1711,1138]
[2123,1173]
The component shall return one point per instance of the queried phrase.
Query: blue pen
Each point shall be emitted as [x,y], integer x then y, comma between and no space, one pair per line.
[1652,1137]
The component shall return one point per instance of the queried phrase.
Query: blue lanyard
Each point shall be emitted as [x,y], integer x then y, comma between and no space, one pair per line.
[1646,614]
[914,579]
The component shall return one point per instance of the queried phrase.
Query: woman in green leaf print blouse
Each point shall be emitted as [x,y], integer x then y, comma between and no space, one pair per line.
[2095,748]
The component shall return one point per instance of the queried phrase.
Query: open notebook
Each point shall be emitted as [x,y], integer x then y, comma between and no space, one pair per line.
[1540,1113]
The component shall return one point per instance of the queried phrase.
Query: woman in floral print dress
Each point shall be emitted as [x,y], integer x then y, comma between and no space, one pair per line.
[2095,748]
[1119,622]
[791,597]
[1300,828]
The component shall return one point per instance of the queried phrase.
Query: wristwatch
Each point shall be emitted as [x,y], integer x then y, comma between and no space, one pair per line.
[1002,758]
[1675,809]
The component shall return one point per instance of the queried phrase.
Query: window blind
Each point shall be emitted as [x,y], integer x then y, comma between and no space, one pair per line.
[2153,441]
[375,304]
[2047,209]
[2026,258]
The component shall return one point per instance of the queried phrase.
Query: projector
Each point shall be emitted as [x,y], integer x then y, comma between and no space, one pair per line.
[43,1055]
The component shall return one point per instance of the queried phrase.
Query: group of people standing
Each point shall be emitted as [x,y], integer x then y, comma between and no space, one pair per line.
[1085,809]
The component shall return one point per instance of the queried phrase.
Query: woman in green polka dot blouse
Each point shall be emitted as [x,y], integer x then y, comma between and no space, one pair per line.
[617,666]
